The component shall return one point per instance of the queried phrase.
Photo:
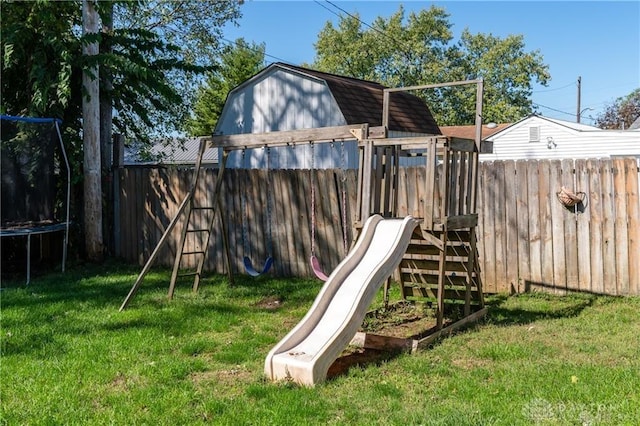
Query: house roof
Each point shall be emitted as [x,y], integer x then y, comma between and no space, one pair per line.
[170,151]
[469,132]
[573,126]
[360,101]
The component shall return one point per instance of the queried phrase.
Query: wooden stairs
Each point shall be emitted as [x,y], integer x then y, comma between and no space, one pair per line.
[442,261]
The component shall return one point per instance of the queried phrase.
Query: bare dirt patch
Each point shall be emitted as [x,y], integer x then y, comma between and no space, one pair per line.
[270,303]
[404,319]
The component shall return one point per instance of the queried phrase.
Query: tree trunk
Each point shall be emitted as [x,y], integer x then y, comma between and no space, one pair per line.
[106,134]
[91,140]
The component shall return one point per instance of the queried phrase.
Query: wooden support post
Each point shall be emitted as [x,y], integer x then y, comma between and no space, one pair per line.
[430,179]
[441,278]
[154,254]
[366,181]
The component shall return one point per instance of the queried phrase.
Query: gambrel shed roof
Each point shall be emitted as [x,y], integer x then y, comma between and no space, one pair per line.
[293,90]
[361,102]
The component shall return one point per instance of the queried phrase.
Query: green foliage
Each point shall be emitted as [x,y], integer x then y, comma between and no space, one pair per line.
[69,356]
[621,113]
[237,63]
[153,55]
[417,50]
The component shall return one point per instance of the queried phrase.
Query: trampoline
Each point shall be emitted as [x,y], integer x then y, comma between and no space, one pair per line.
[35,200]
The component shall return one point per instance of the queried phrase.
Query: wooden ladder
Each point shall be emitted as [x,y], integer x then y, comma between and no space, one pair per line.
[188,207]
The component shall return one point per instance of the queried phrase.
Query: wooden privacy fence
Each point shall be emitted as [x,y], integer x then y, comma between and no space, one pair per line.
[527,239]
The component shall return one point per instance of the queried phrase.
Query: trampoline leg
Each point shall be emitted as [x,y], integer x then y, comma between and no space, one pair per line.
[28,259]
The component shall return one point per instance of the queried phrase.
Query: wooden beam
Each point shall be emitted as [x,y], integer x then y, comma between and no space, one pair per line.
[285,138]
[460,144]
[462,221]
[425,342]
[413,142]
[432,86]
[154,254]
[380,342]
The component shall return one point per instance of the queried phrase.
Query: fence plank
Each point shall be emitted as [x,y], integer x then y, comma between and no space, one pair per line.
[522,225]
[608,227]
[499,225]
[481,241]
[489,235]
[535,236]
[583,235]
[632,173]
[546,225]
[595,208]
[511,226]
[571,228]
[621,226]
[558,213]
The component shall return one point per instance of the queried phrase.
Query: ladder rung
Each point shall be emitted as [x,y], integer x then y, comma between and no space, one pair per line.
[184,253]
[202,208]
[189,274]
[198,230]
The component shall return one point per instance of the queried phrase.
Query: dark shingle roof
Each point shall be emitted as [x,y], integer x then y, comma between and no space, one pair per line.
[360,101]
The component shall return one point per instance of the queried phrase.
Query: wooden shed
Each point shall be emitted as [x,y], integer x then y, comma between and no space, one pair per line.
[286,97]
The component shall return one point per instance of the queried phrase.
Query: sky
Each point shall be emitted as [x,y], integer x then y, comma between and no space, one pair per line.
[596,41]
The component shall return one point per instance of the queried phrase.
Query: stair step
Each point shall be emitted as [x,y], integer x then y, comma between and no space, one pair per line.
[449,294]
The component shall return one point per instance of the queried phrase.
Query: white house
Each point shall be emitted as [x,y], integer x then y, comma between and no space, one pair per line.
[538,137]
[287,97]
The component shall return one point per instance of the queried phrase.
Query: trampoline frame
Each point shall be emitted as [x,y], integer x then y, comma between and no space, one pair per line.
[28,231]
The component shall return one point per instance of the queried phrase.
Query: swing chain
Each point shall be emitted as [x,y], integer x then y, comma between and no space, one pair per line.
[243,199]
[313,201]
[269,212]
[343,180]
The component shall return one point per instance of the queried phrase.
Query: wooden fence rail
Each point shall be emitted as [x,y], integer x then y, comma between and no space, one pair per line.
[527,239]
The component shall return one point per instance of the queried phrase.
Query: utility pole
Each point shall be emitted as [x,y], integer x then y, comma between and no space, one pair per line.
[578,108]
[91,139]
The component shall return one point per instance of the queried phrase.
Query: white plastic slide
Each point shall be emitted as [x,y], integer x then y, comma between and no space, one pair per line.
[306,353]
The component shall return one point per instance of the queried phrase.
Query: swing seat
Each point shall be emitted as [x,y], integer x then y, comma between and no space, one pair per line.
[252,271]
[317,270]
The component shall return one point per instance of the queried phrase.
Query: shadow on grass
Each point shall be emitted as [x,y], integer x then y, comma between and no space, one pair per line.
[359,358]
[506,310]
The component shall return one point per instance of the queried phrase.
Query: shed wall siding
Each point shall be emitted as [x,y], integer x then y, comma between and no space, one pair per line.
[282,100]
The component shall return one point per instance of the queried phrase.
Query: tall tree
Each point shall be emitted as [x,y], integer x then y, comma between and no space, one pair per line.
[91,136]
[419,50]
[237,63]
[621,113]
[42,62]
[393,51]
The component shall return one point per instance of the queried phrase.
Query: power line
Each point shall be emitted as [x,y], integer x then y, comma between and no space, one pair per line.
[563,112]
[255,50]
[553,109]
[573,83]
[394,40]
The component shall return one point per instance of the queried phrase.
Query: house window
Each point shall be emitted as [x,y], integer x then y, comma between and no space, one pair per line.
[534,134]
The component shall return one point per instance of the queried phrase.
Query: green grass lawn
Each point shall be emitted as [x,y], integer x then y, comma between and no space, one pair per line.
[69,357]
